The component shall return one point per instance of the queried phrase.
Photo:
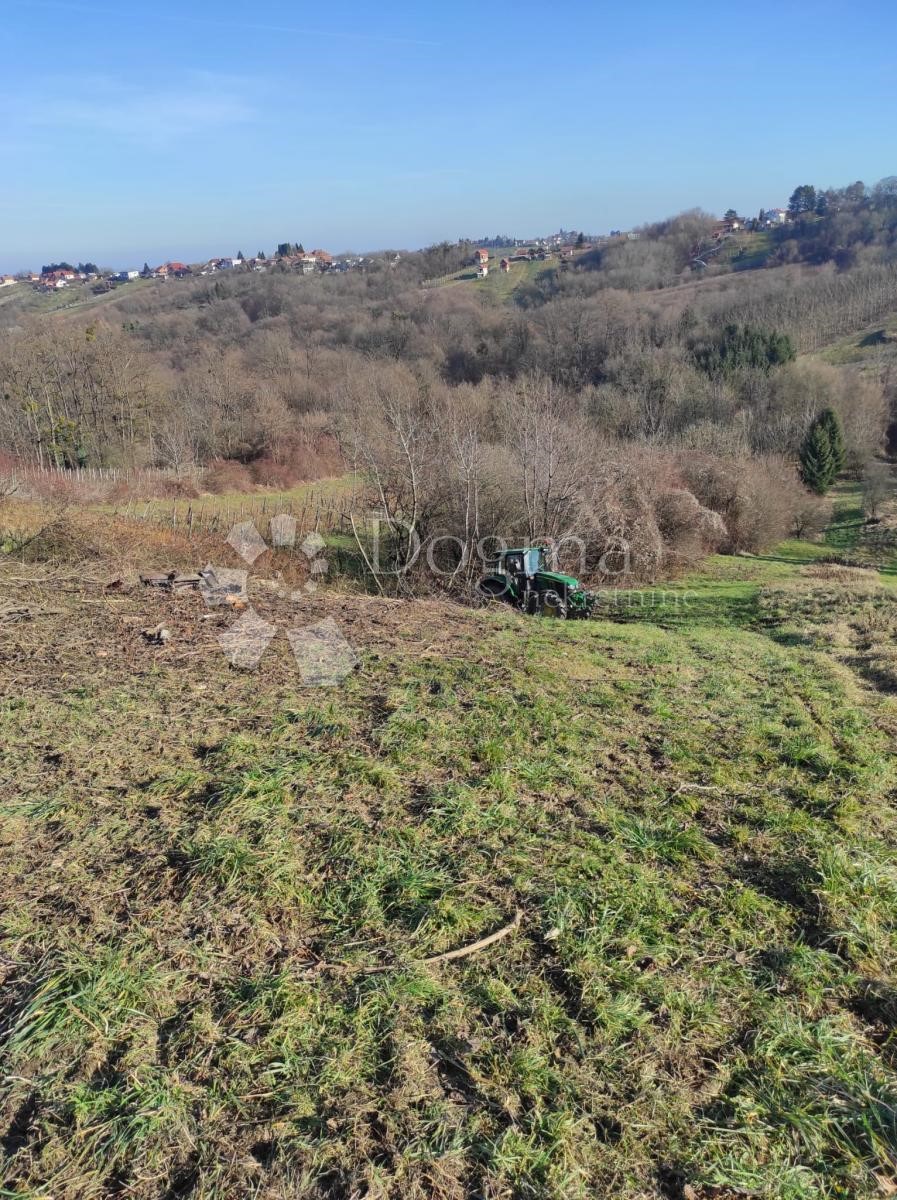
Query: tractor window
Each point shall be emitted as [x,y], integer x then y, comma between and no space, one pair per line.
[514,563]
[534,561]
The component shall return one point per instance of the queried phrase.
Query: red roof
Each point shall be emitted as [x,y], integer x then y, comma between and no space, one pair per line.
[483,254]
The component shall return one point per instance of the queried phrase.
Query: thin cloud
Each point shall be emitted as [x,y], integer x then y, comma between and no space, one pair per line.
[204,23]
[154,117]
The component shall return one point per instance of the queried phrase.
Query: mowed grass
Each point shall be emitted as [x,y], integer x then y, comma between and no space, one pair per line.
[849,534]
[873,348]
[204,872]
[499,286]
[750,250]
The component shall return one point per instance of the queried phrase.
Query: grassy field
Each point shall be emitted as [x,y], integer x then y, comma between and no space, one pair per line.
[874,347]
[22,301]
[750,250]
[220,889]
[499,286]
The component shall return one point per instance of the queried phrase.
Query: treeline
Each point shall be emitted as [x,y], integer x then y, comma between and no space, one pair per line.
[527,461]
[847,227]
[673,419]
[243,366]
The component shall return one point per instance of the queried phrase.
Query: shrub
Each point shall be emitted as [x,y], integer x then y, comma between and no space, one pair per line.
[227,475]
[268,473]
[758,499]
[150,487]
[689,530]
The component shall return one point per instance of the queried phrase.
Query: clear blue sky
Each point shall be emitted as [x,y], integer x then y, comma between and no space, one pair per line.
[156,129]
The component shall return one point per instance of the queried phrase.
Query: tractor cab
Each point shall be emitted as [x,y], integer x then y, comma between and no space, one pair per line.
[522,564]
[523,577]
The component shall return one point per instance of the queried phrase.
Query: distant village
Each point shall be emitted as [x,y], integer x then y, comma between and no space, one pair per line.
[293,258]
[568,245]
[56,276]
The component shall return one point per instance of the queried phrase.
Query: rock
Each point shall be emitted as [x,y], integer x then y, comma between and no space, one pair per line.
[157,636]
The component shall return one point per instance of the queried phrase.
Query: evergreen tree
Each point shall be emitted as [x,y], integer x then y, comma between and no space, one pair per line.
[831,422]
[817,461]
[743,346]
[803,200]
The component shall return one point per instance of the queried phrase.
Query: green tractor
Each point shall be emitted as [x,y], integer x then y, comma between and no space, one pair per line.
[522,578]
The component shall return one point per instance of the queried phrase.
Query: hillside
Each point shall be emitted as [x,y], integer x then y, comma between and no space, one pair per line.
[873,347]
[220,888]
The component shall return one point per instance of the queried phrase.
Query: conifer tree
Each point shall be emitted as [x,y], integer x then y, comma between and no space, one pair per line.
[831,422]
[817,460]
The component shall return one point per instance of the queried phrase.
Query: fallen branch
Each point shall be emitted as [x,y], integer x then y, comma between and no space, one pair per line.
[463,952]
[744,790]
[452,955]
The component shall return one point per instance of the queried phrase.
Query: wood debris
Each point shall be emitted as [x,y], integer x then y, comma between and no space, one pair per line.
[434,959]
[172,581]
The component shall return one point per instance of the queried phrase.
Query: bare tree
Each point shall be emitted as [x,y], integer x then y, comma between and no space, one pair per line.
[878,487]
[551,445]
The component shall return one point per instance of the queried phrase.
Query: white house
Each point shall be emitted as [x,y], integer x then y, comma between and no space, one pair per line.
[7,280]
[775,216]
[127,276]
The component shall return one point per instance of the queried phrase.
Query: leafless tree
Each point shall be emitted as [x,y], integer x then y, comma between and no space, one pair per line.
[878,486]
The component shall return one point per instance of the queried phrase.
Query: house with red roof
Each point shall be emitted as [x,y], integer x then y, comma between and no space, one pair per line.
[171,268]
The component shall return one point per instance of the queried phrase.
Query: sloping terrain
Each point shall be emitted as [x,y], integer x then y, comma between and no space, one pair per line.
[872,348]
[220,886]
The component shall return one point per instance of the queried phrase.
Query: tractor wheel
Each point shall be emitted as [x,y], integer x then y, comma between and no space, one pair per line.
[554,605]
[491,592]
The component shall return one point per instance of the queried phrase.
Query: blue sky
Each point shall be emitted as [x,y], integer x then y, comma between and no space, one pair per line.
[156,129]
